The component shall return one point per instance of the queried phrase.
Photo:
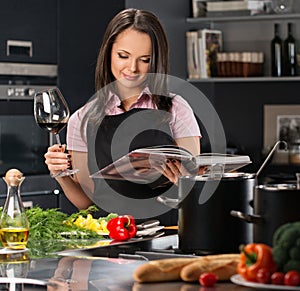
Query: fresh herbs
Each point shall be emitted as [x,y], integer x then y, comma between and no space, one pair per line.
[52,231]
[54,224]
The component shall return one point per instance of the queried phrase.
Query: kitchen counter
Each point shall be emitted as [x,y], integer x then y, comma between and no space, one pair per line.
[75,273]
[88,269]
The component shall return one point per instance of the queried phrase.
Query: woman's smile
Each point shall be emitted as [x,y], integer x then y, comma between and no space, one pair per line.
[131,77]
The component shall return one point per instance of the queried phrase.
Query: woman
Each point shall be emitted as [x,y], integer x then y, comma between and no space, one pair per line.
[130,81]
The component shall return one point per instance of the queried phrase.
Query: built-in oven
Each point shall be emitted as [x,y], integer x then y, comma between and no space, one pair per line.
[22,142]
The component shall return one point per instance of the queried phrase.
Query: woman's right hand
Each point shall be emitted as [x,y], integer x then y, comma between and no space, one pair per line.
[56,159]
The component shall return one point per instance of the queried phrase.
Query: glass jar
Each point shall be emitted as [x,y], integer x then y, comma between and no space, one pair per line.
[294,152]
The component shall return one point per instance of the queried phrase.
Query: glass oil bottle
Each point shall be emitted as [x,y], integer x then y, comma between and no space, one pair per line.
[14,226]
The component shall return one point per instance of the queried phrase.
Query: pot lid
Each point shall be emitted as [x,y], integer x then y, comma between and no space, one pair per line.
[225,176]
[278,187]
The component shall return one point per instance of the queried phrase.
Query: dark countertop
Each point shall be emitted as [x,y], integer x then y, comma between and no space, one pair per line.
[91,269]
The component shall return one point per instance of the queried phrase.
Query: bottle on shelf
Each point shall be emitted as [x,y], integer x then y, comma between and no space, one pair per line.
[14,226]
[276,53]
[290,53]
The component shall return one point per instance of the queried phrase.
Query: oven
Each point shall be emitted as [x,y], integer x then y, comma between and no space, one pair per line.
[22,142]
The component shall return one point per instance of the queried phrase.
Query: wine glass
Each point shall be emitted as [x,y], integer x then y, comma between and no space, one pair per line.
[52,113]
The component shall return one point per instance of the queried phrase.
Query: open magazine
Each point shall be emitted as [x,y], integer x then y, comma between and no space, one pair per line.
[141,165]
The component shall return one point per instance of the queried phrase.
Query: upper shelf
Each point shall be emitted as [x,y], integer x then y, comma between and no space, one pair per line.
[283,16]
[247,79]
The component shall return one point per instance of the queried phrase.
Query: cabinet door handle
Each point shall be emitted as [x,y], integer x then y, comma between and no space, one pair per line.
[18,47]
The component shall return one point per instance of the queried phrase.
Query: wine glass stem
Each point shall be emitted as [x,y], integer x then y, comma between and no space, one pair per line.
[57,138]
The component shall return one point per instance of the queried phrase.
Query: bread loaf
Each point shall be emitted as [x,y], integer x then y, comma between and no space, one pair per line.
[161,270]
[224,266]
[172,269]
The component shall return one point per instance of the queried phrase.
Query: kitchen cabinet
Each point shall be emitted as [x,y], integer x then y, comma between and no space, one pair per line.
[28,31]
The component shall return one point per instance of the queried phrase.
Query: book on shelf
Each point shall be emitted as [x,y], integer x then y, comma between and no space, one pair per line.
[142,165]
[210,45]
[202,48]
[193,57]
[235,5]
[198,8]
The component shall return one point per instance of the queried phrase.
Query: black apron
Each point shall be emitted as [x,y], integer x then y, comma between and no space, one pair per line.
[116,136]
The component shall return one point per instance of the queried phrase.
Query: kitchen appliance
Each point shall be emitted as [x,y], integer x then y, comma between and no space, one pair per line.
[22,142]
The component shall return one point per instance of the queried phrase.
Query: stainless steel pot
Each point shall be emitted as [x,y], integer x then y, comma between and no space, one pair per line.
[273,205]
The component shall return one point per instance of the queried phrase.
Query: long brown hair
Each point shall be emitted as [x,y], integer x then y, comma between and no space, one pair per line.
[141,21]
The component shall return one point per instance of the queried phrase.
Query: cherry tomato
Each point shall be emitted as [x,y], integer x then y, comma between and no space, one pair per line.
[292,278]
[263,275]
[277,278]
[208,279]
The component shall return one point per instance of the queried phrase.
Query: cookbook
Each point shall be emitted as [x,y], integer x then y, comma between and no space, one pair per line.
[144,165]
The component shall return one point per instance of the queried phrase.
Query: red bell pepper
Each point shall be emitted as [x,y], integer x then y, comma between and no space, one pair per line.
[122,227]
[255,256]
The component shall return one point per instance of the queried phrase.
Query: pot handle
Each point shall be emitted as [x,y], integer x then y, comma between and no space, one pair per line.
[170,202]
[251,218]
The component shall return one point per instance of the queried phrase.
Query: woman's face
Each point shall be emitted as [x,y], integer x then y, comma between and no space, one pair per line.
[130,58]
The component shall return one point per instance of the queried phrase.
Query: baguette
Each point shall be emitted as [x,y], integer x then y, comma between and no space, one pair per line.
[224,266]
[161,270]
[171,269]
[225,272]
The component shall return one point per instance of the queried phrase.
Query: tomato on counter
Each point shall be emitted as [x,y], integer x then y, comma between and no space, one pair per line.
[208,279]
